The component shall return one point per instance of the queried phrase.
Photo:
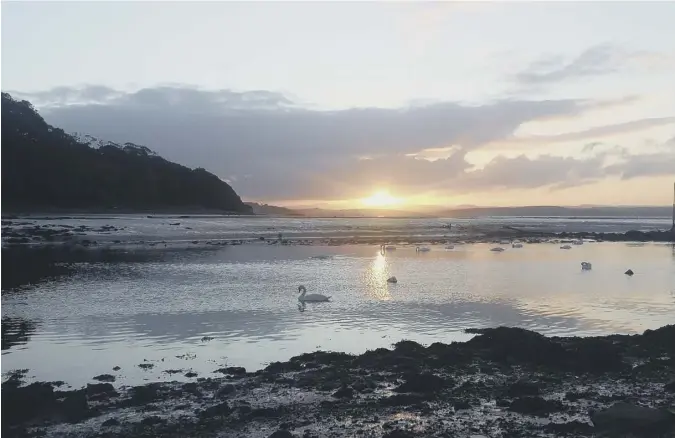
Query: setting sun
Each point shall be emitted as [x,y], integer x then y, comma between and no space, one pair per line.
[380,198]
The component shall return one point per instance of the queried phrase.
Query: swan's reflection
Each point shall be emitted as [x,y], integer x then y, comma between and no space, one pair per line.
[302,306]
[376,278]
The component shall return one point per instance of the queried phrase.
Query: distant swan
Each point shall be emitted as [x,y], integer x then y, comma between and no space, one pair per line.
[565,247]
[578,242]
[387,247]
[304,298]
[392,280]
[321,257]
[517,245]
[497,249]
[450,247]
[422,249]
[586,266]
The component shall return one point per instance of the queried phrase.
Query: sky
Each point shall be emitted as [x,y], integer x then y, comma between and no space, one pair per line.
[348,104]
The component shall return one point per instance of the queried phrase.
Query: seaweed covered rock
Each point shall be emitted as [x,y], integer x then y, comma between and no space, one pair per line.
[423,383]
[535,406]
[516,345]
[638,420]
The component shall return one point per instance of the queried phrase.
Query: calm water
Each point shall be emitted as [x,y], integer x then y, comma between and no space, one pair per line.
[245,298]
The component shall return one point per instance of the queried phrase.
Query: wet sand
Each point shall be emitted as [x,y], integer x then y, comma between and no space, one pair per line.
[503,382]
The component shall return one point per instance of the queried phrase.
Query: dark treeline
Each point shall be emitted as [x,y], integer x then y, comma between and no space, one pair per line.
[45,168]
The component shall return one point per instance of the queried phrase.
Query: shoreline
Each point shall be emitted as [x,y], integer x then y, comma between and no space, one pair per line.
[503,381]
[17,232]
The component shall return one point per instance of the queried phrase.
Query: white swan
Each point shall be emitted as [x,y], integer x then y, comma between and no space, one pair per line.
[311,298]
[586,266]
[392,280]
[517,245]
[388,247]
[497,249]
[422,249]
[450,247]
[578,242]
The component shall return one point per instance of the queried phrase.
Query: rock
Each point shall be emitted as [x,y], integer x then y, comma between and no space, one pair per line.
[521,388]
[142,395]
[573,428]
[219,410]
[641,421]
[574,396]
[95,389]
[422,383]
[152,421]
[75,407]
[27,402]
[501,403]
[235,371]
[110,423]
[595,356]
[402,400]
[629,272]
[398,434]
[191,388]
[225,390]
[670,386]
[116,368]
[190,374]
[411,348]
[508,344]
[461,405]
[535,406]
[282,434]
[344,392]
[105,378]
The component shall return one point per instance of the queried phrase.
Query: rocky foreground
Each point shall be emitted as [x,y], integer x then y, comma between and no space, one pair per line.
[505,382]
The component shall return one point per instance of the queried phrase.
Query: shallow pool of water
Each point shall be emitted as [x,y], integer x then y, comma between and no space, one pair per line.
[202,309]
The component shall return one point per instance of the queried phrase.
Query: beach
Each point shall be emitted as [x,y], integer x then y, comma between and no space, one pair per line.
[127,302]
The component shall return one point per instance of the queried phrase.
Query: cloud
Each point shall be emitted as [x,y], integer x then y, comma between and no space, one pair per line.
[271,148]
[658,163]
[524,173]
[585,134]
[595,61]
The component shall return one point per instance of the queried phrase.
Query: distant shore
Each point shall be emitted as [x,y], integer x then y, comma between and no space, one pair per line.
[504,380]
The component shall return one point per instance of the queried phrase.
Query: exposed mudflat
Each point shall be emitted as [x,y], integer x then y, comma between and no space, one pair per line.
[504,382]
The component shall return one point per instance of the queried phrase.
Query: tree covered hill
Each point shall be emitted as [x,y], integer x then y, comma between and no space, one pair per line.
[45,168]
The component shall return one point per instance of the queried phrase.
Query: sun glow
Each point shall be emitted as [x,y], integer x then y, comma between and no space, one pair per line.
[380,198]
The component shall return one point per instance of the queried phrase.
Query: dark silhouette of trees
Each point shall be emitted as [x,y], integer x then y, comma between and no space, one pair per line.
[43,167]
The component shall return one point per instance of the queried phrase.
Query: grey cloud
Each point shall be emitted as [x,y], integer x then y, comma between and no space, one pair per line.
[271,148]
[590,133]
[654,164]
[523,172]
[68,95]
[589,147]
[291,152]
[596,60]
[188,98]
